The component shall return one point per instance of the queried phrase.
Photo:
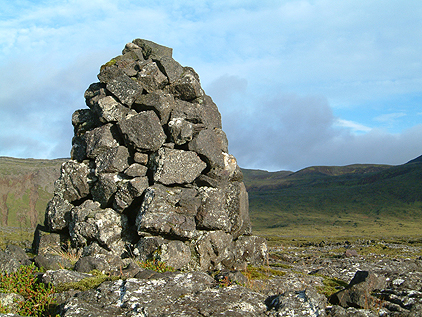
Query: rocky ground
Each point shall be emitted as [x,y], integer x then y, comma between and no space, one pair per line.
[363,278]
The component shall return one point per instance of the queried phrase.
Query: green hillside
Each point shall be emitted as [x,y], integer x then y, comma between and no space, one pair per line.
[26,185]
[329,201]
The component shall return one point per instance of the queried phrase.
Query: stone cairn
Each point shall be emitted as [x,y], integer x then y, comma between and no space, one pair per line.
[150,175]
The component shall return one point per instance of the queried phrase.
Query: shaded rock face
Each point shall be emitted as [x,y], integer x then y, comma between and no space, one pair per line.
[150,175]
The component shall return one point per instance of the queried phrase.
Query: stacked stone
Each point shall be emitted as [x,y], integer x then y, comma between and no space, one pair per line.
[150,175]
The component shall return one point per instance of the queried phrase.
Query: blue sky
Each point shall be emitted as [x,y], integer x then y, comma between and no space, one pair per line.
[298,83]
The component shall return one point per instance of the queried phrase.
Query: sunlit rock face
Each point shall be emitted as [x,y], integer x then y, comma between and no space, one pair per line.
[150,175]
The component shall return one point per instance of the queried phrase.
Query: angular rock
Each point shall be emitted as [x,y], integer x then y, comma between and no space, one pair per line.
[251,250]
[62,276]
[104,189]
[105,263]
[151,77]
[57,214]
[17,253]
[143,131]
[147,247]
[109,72]
[175,254]
[50,261]
[298,303]
[187,87]
[128,191]
[152,50]
[95,92]
[46,242]
[215,251]
[7,264]
[159,214]
[73,182]
[212,214]
[161,103]
[78,151]
[181,130]
[141,158]
[202,115]
[84,120]
[136,170]
[134,50]
[100,140]
[177,166]
[237,205]
[11,301]
[209,144]
[105,226]
[109,110]
[172,69]
[125,89]
[113,160]
[358,293]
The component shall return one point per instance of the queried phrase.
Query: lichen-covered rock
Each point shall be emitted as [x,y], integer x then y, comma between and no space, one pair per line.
[136,170]
[143,131]
[128,191]
[110,110]
[7,264]
[158,101]
[104,188]
[62,276]
[177,166]
[57,214]
[212,214]
[105,263]
[100,140]
[215,250]
[89,222]
[73,182]
[113,160]
[209,144]
[151,77]
[252,250]
[181,130]
[301,303]
[125,89]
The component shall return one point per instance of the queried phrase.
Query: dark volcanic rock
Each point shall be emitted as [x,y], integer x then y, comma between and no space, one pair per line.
[358,293]
[143,131]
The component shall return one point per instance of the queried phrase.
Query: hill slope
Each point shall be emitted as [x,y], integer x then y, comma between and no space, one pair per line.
[354,199]
[26,185]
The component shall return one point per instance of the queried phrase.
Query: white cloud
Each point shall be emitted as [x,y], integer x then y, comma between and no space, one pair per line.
[389,117]
[354,126]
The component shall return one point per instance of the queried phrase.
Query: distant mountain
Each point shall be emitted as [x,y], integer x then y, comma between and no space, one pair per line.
[329,197]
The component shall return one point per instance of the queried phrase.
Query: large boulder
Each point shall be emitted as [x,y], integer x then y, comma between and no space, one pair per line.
[151,176]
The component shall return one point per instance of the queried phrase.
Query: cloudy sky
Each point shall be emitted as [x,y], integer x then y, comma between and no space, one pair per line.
[298,83]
